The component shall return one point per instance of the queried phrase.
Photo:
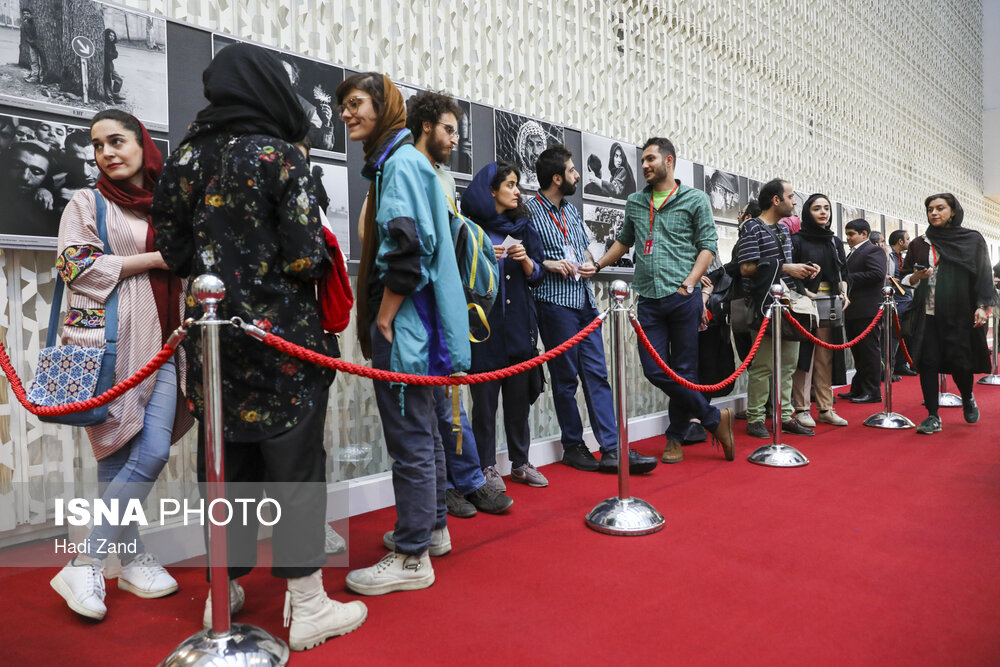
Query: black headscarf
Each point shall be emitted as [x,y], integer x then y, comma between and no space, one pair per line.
[249,93]
[963,248]
[829,255]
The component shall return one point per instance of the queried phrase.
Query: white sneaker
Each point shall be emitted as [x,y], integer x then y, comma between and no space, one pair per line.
[440,542]
[395,572]
[335,544]
[493,478]
[831,417]
[237,596]
[314,617]
[145,577]
[82,586]
[805,419]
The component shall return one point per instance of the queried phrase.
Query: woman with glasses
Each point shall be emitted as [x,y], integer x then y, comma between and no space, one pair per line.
[820,368]
[411,318]
[950,268]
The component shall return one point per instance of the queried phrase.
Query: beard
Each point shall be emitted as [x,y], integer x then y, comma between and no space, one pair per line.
[566,189]
[659,173]
[440,151]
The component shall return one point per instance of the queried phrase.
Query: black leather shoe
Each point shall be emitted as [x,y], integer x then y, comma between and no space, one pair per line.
[848,395]
[758,430]
[970,411]
[796,428]
[866,398]
[579,457]
[695,433]
[906,370]
[896,378]
[637,463]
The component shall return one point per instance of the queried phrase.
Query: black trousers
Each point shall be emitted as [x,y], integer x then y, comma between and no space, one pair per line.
[516,408]
[290,469]
[867,359]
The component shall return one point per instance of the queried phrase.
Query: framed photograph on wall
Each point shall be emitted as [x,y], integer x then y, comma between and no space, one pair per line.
[723,191]
[315,82]
[460,164]
[42,164]
[520,140]
[603,224]
[332,186]
[122,54]
[609,169]
[683,172]
[752,191]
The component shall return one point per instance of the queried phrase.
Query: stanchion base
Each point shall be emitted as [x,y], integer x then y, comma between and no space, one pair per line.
[949,400]
[892,420]
[989,379]
[243,645]
[625,516]
[778,456]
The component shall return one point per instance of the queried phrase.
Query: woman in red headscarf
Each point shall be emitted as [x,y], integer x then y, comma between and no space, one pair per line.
[133,444]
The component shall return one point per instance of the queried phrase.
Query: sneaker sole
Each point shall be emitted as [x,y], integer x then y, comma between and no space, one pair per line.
[396,586]
[124,585]
[535,485]
[315,640]
[433,550]
[62,588]
[497,510]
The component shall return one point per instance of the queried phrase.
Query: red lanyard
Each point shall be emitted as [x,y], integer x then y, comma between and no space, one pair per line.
[934,255]
[563,226]
[651,210]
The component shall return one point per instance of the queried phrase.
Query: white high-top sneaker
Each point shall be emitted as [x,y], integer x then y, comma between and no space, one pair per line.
[395,572]
[237,596]
[145,577]
[82,586]
[314,617]
[440,541]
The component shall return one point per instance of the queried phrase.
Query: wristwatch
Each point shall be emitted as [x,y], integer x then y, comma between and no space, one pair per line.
[688,288]
[597,268]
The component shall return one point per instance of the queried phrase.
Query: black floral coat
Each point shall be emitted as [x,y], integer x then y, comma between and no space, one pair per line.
[243,207]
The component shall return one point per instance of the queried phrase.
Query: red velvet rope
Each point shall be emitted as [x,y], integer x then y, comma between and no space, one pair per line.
[902,343]
[831,346]
[685,382]
[94,402]
[425,380]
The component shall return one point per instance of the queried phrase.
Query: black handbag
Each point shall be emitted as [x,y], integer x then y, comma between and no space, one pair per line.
[830,308]
[70,373]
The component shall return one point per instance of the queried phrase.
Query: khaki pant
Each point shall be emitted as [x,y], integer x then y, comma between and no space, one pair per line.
[761,372]
[819,377]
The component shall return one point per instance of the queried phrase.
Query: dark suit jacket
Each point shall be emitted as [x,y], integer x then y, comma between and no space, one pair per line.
[866,270]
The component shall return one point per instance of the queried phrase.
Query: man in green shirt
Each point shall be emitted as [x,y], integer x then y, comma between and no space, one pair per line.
[672,228]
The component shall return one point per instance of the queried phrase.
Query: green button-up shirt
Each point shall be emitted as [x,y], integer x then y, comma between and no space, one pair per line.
[682,228]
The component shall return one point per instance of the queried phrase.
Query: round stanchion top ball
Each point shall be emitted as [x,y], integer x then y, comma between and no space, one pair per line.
[208,288]
[619,290]
[778,289]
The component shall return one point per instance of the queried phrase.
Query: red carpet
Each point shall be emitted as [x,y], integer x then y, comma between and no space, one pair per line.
[883,551]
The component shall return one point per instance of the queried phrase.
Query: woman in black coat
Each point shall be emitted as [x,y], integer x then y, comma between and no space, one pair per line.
[950,269]
[820,368]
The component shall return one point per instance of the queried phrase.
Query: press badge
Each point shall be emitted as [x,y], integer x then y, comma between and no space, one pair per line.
[568,253]
[649,247]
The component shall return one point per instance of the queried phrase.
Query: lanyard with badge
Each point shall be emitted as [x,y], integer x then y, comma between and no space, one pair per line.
[652,214]
[567,247]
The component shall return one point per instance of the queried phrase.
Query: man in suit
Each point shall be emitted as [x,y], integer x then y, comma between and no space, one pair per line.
[866,272]
[899,241]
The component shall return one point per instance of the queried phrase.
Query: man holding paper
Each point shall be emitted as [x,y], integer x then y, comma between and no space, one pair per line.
[565,302]
[673,230]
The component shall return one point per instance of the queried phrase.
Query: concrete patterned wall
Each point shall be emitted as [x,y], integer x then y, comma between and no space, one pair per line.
[878,104]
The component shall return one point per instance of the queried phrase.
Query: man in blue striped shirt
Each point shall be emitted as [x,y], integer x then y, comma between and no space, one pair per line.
[565,302]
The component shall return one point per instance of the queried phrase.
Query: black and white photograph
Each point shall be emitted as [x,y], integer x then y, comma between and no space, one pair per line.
[44,163]
[910,227]
[609,169]
[874,220]
[520,140]
[750,190]
[331,184]
[800,200]
[728,238]
[603,224]
[891,225]
[461,155]
[56,45]
[683,172]
[723,191]
[848,213]
[316,84]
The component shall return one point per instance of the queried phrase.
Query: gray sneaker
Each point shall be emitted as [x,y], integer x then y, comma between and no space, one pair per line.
[489,500]
[458,505]
[494,479]
[439,546]
[528,474]
[333,543]
[395,572]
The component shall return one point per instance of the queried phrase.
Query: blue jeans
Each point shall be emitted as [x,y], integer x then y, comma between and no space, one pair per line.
[671,324]
[557,324]
[464,472]
[131,471]
[412,438]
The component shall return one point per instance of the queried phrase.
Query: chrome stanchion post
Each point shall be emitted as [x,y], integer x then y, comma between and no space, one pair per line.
[223,643]
[994,376]
[946,399]
[622,515]
[777,455]
[887,418]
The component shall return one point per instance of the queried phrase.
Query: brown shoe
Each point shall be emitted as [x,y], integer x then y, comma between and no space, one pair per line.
[724,434]
[672,453]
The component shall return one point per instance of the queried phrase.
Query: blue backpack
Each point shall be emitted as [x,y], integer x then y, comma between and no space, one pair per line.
[477,265]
